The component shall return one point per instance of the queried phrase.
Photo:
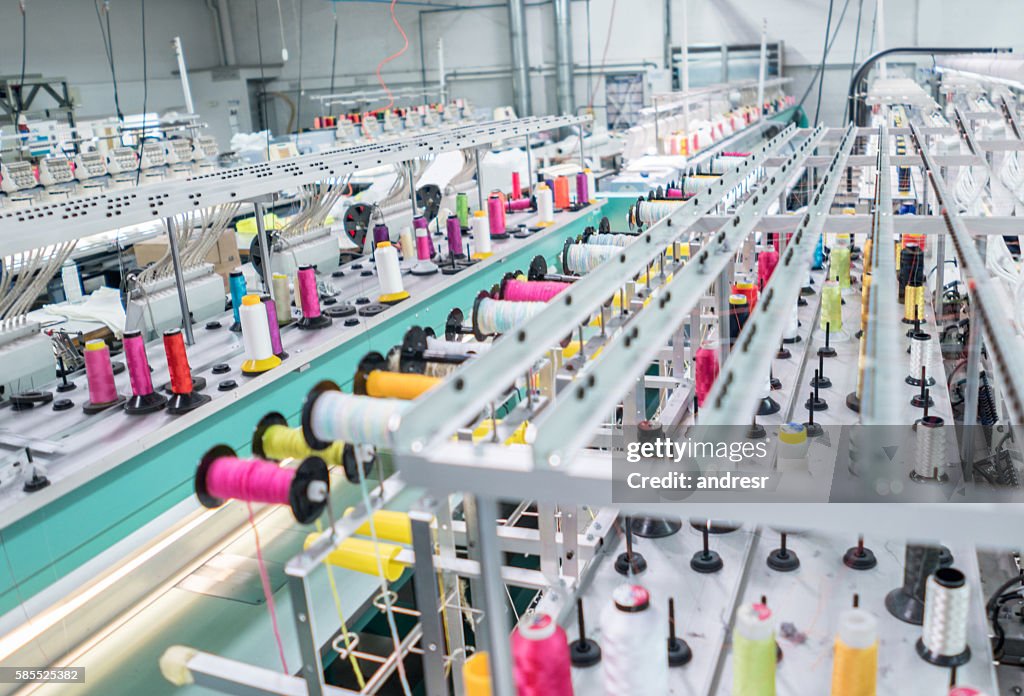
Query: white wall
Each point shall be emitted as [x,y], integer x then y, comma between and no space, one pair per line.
[478,39]
[64,40]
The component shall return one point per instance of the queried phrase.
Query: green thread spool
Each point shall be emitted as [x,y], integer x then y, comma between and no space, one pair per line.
[831,307]
[753,652]
[839,266]
[462,210]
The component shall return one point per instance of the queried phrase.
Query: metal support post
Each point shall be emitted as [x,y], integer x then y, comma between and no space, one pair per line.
[179,282]
[303,609]
[497,628]
[432,641]
[261,233]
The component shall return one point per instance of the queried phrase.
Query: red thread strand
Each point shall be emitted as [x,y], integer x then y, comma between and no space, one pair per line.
[393,56]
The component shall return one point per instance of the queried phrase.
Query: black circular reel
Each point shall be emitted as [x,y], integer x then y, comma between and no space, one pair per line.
[357,222]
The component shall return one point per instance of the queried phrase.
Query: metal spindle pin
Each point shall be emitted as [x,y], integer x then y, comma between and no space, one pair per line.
[706,561]
[630,562]
[827,350]
[922,399]
[583,652]
[679,652]
[583,354]
[783,559]
[64,385]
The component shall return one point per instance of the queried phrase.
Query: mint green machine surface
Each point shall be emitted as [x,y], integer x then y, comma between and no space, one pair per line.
[45,546]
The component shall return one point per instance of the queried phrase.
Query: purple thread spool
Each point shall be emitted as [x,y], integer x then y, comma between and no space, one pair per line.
[455,237]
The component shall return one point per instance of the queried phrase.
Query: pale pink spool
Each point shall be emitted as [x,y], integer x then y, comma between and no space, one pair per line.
[100,375]
[766,263]
[705,371]
[138,364]
[532,290]
[309,297]
[540,652]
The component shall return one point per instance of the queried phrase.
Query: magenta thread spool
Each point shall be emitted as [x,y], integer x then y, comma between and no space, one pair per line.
[275,330]
[100,375]
[531,290]
[582,194]
[766,263]
[420,223]
[144,399]
[496,217]
[705,371]
[673,194]
[518,206]
[380,234]
[423,247]
[540,654]
[455,237]
[309,301]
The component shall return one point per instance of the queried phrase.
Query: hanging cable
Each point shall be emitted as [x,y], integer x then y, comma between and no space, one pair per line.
[604,54]
[334,55]
[393,56]
[824,57]
[831,42]
[298,98]
[24,60]
[108,46]
[280,23]
[145,94]
[856,39]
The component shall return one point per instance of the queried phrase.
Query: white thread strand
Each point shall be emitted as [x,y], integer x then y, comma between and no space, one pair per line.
[499,316]
[945,613]
[583,258]
[356,419]
[389,271]
[633,649]
[620,240]
[649,212]
[931,447]
[461,348]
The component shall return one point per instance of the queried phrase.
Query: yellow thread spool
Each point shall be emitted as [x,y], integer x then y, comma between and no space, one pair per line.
[390,525]
[867,256]
[523,435]
[913,303]
[855,666]
[839,266]
[281,442]
[865,300]
[360,555]
[831,307]
[395,385]
[861,361]
[476,675]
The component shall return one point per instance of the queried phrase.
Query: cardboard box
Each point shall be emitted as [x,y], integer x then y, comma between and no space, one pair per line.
[224,254]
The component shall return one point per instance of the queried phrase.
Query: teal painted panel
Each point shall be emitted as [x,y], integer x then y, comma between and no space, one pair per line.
[59,538]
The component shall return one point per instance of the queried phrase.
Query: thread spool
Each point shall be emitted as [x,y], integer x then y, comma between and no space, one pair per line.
[424,251]
[381,234]
[456,348]
[422,229]
[222,476]
[282,298]
[390,525]
[329,415]
[275,331]
[749,291]
[944,633]
[519,205]
[455,238]
[920,357]
[496,218]
[633,644]
[530,290]
[309,300]
[184,397]
[582,190]
[517,187]
[482,248]
[911,268]
[913,304]
[617,240]
[793,446]
[461,211]
[545,205]
[839,266]
[259,352]
[591,184]
[865,300]
[766,263]
[855,665]
[753,651]
[739,312]
[143,399]
[930,457]
[649,212]
[540,655]
[363,556]
[407,244]
[383,384]
[906,603]
[389,273]
[562,193]
[495,317]
[476,675]
[580,259]
[236,286]
[792,332]
[272,439]
[831,307]
[868,246]
[705,369]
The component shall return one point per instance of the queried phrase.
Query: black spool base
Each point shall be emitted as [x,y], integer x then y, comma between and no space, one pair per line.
[801,302]
[916,381]
[36,483]
[307,413]
[584,653]
[919,402]
[792,340]
[827,352]
[905,607]
[814,429]
[630,564]
[313,323]
[655,527]
[145,403]
[66,387]
[305,510]
[859,558]
[91,408]
[821,382]
[679,652]
[768,406]
[776,383]
[807,291]
[756,432]
[945,557]
[818,404]
[943,660]
[783,354]
[853,402]
[706,563]
[783,561]
[183,403]
[202,493]
[340,310]
[236,327]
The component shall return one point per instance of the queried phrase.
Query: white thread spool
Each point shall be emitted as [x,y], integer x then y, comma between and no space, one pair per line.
[583,258]
[633,642]
[619,240]
[793,327]
[944,632]
[858,629]
[793,446]
[441,347]
[408,245]
[591,185]
[920,356]
[481,235]
[930,459]
[499,316]
[358,419]
[259,351]
[389,273]
[282,298]
[545,205]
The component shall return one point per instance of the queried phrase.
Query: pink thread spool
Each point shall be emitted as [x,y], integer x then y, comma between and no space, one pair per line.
[705,371]
[423,246]
[673,194]
[100,375]
[455,237]
[517,187]
[275,331]
[222,476]
[496,217]
[582,192]
[420,223]
[766,263]
[144,399]
[530,290]
[540,652]
[519,205]
[309,300]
